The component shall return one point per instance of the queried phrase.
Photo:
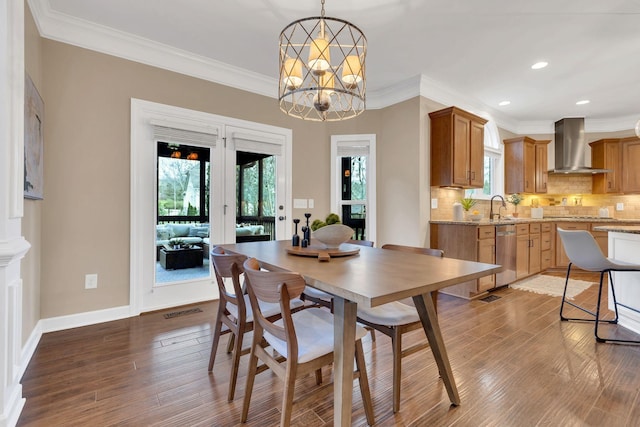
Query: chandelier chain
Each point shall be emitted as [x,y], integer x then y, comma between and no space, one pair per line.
[322,8]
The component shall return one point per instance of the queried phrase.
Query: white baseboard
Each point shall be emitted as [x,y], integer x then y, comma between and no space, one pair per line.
[13,407]
[84,319]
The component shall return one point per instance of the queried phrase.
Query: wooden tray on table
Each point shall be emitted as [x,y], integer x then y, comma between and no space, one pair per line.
[323,254]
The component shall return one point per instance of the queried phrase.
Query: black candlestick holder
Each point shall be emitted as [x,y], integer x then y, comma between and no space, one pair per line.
[295,240]
[307,230]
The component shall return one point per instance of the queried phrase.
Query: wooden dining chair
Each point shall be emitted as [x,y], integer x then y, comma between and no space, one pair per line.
[234,310]
[304,338]
[396,319]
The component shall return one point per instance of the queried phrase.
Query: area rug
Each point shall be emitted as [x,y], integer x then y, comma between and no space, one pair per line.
[551,285]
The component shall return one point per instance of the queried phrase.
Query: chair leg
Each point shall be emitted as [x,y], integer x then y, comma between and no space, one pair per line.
[615,321]
[289,388]
[251,376]
[216,339]
[232,338]
[363,380]
[567,302]
[237,352]
[564,293]
[396,344]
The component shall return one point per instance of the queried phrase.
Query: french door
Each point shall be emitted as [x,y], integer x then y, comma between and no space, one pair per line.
[218,139]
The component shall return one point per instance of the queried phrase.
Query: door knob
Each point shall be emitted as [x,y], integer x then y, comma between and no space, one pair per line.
[282,218]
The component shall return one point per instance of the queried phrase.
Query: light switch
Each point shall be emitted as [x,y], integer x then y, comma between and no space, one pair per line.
[311,203]
[619,206]
[299,203]
[434,203]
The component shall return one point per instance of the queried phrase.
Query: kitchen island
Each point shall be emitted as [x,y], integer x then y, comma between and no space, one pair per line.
[624,245]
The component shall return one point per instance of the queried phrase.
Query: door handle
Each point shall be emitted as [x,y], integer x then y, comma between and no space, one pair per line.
[282,218]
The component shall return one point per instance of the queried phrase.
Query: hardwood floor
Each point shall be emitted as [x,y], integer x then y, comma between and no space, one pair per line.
[514,362]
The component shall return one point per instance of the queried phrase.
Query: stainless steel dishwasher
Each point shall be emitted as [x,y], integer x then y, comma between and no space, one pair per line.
[506,254]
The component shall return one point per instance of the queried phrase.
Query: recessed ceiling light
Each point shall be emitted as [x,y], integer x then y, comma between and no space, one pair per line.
[582,102]
[503,103]
[539,65]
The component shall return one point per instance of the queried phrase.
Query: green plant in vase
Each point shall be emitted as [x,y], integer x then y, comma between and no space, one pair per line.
[515,199]
[467,203]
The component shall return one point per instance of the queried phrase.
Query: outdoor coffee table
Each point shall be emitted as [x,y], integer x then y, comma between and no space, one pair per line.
[174,259]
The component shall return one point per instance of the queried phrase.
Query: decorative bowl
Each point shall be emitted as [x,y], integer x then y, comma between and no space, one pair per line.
[333,235]
[475,217]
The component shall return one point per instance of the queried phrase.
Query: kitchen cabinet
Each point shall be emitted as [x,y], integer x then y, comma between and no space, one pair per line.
[527,249]
[472,243]
[525,165]
[630,153]
[457,148]
[605,154]
[487,254]
[546,246]
[561,257]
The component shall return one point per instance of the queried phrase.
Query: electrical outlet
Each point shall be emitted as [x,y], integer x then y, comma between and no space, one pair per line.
[619,206]
[434,203]
[91,281]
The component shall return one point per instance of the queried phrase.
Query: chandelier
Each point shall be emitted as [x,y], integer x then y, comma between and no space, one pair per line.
[322,69]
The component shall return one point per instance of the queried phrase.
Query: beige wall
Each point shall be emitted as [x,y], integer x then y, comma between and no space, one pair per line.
[83,222]
[32,220]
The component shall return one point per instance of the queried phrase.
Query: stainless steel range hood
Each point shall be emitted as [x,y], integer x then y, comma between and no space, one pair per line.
[570,148]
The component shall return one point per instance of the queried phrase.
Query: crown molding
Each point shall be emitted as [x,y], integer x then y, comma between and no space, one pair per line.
[85,34]
[78,32]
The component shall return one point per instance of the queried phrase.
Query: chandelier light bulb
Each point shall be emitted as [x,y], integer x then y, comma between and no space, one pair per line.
[352,71]
[319,56]
[292,73]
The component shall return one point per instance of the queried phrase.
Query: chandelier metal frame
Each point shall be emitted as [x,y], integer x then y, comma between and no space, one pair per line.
[322,69]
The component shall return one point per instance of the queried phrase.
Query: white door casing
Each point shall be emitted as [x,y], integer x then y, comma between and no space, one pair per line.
[355,145]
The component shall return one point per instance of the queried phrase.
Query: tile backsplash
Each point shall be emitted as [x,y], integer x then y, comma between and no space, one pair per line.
[575,190]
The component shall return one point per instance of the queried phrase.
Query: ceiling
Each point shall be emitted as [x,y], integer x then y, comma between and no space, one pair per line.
[473,54]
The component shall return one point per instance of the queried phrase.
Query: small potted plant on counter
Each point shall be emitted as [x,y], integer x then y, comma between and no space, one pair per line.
[467,203]
[515,199]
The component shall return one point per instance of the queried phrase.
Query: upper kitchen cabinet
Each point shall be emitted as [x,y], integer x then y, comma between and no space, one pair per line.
[525,165]
[605,154]
[457,149]
[630,153]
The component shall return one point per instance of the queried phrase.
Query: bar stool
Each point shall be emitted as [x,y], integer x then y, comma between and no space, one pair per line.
[583,252]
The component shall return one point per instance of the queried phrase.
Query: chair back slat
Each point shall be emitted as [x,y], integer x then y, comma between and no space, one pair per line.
[226,266]
[274,287]
[415,250]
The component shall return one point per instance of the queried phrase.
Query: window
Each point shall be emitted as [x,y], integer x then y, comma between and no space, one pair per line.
[493,168]
[183,183]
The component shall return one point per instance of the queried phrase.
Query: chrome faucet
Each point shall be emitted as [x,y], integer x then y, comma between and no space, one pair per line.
[504,205]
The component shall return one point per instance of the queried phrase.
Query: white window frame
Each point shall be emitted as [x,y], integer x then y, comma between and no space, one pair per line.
[494,149]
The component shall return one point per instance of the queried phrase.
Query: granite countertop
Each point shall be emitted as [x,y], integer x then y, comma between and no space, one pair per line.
[485,221]
[633,229]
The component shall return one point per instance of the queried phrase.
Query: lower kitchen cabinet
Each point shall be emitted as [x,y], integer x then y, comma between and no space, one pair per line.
[561,257]
[468,242]
[487,253]
[546,246]
[528,256]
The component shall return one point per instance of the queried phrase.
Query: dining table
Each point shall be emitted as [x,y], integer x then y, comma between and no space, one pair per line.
[371,277]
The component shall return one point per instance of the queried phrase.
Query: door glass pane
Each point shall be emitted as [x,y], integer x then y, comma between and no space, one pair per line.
[182,225]
[256,184]
[354,188]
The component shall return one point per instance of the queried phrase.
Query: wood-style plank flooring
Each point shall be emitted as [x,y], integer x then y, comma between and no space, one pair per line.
[514,362]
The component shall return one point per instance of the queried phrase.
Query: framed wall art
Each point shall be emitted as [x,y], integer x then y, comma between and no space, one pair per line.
[33,141]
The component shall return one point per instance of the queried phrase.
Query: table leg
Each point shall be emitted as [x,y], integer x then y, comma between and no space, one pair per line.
[344,330]
[429,318]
